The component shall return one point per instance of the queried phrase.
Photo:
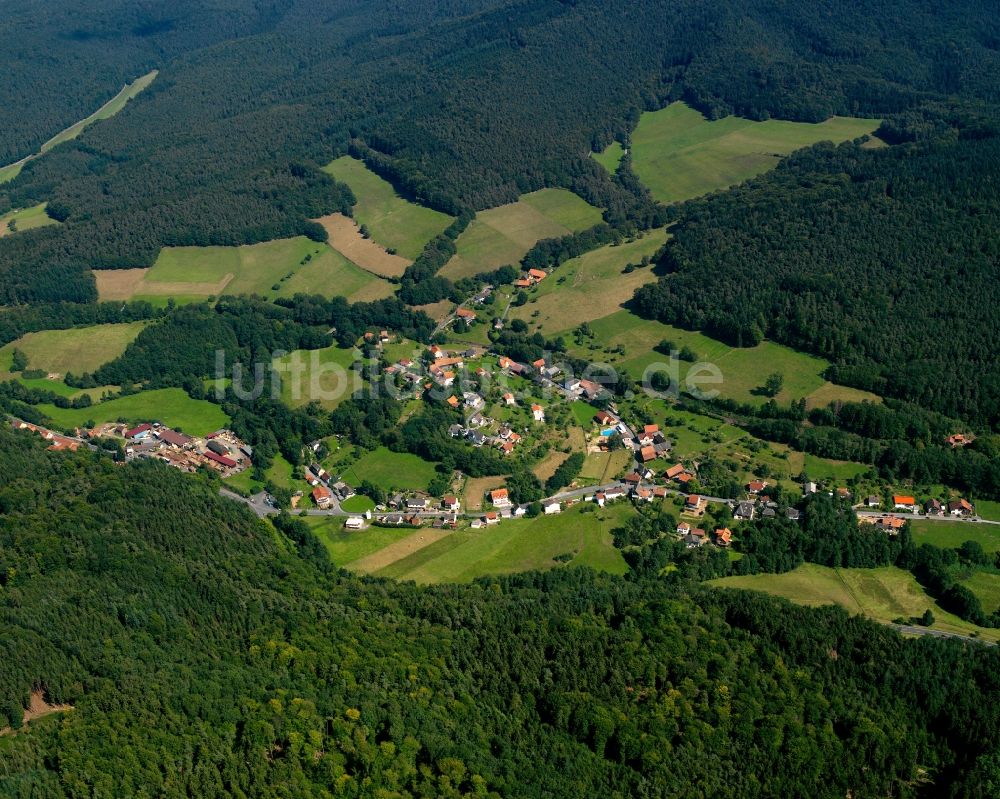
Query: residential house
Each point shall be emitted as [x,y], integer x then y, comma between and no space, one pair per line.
[465,314]
[523,283]
[615,492]
[537,274]
[473,400]
[905,503]
[683,528]
[744,511]
[873,501]
[354,523]
[959,440]
[322,496]
[491,517]
[792,514]
[551,507]
[756,486]
[695,504]
[647,454]
[453,401]
[674,471]
[960,507]
[603,418]
[600,498]
[643,494]
[935,508]
[810,488]
[417,504]
[632,479]
[538,413]
[723,536]
[500,498]
[508,400]
[451,502]
[140,433]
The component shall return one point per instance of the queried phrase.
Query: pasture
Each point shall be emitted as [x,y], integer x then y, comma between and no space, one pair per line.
[591,286]
[346,239]
[679,154]
[952,534]
[504,234]
[25,219]
[577,539]
[392,221]
[76,350]
[347,546]
[392,471]
[170,406]
[986,586]
[743,370]
[881,594]
[324,376]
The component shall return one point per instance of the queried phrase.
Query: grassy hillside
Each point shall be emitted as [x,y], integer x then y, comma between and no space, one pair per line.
[881,594]
[393,222]
[77,350]
[583,539]
[171,406]
[591,286]
[504,234]
[679,154]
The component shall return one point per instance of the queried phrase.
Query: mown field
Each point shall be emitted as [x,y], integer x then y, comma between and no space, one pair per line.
[282,267]
[882,594]
[743,370]
[77,350]
[582,539]
[392,221]
[25,219]
[109,109]
[679,154]
[950,535]
[391,470]
[170,406]
[504,234]
[611,157]
[591,286]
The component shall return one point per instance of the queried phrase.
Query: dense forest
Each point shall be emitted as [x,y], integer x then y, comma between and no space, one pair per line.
[223,657]
[884,262]
[470,103]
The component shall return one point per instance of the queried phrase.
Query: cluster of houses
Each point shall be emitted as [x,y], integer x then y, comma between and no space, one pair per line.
[325,489]
[57,443]
[532,277]
[694,537]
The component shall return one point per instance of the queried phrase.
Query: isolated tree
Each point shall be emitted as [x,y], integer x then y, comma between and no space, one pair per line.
[774,383]
[18,361]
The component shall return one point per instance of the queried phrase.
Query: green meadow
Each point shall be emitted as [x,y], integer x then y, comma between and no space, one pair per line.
[347,546]
[679,154]
[76,350]
[324,376]
[392,221]
[591,286]
[170,406]
[578,539]
[950,535]
[25,219]
[391,470]
[611,157]
[504,234]
[882,594]
[743,370]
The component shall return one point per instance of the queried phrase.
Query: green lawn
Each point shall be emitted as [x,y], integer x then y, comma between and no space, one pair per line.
[323,376]
[503,235]
[517,546]
[743,370]
[611,157]
[170,406]
[77,350]
[393,222]
[391,470]
[347,546]
[950,535]
[25,219]
[820,469]
[988,510]
[358,504]
[109,109]
[679,154]
[882,594]
[591,286]
[583,413]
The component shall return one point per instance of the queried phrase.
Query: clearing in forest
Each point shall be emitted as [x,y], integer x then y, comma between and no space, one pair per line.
[109,109]
[25,219]
[504,234]
[679,154]
[393,222]
[345,238]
